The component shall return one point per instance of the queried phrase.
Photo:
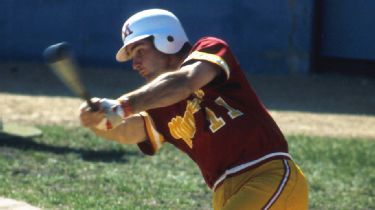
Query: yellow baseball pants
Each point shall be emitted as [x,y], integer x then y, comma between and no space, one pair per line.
[277,184]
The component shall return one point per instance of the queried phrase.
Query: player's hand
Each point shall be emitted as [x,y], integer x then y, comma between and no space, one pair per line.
[111,106]
[89,118]
[113,114]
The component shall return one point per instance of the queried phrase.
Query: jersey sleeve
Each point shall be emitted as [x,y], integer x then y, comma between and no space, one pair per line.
[154,140]
[215,51]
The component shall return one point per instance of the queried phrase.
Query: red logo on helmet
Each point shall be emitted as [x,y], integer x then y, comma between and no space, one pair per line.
[127,31]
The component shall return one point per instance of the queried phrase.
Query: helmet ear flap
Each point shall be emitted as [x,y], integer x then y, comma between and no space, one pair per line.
[168,43]
[170,38]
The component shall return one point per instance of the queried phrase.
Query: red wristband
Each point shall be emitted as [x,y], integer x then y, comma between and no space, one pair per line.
[126,107]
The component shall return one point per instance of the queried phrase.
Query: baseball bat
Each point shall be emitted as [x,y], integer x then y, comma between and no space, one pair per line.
[59,58]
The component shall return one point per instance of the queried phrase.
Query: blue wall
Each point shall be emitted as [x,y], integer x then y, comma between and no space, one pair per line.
[267,35]
[348,29]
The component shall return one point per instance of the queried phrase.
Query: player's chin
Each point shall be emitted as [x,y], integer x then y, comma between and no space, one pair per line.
[149,77]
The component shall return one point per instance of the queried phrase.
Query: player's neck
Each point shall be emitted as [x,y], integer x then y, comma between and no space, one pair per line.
[179,60]
[175,62]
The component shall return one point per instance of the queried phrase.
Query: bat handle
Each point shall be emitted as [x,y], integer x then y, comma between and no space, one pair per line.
[93,106]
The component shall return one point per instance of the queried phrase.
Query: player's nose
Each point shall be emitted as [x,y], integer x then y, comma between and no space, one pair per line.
[137,64]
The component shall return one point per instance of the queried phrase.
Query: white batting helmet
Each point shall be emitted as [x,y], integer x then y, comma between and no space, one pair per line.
[164,26]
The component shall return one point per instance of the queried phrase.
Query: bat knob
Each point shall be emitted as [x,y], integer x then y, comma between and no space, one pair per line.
[57,52]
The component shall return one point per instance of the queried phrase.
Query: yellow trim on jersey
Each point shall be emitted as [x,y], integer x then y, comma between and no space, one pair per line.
[156,138]
[197,55]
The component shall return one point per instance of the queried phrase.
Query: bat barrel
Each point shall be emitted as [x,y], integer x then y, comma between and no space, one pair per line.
[59,58]
[57,52]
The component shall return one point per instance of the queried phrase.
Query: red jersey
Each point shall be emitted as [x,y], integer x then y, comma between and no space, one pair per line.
[223,127]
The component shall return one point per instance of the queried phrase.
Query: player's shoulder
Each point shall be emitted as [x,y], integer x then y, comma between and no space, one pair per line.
[209,41]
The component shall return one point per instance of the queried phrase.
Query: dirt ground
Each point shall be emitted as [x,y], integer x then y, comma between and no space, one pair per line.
[10,204]
[322,105]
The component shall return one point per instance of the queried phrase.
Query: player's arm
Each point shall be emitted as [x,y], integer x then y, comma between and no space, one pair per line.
[130,131]
[171,87]
[167,89]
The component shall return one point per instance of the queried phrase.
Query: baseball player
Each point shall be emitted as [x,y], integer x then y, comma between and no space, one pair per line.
[198,99]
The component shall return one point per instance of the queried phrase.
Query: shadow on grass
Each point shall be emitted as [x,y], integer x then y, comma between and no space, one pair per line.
[86,154]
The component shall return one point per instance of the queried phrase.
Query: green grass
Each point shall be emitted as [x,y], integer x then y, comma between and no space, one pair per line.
[72,169]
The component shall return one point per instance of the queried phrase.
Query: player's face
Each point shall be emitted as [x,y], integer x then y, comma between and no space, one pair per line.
[147,60]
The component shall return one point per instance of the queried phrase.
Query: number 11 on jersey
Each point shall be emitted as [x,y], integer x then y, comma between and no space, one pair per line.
[217,122]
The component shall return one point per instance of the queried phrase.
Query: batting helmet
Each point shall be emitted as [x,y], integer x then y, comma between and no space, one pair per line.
[164,26]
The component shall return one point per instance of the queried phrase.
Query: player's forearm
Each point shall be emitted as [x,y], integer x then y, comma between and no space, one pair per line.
[113,135]
[170,88]
[165,90]
[131,131]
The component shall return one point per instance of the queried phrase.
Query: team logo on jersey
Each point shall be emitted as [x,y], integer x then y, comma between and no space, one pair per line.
[183,127]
